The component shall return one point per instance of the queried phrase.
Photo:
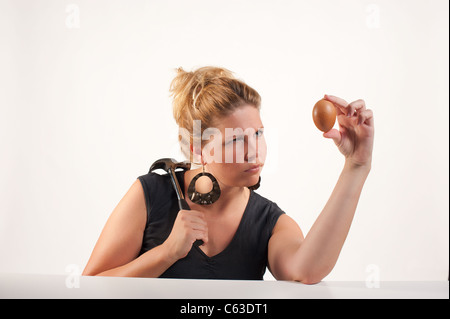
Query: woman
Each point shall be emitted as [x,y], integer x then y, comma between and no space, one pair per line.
[240,232]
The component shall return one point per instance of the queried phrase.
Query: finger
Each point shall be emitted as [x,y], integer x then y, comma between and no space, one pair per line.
[193,216]
[197,220]
[196,213]
[365,117]
[205,237]
[198,225]
[340,103]
[200,235]
[335,135]
[356,106]
[192,212]
[191,222]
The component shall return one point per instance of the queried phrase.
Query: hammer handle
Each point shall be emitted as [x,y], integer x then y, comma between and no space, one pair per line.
[182,204]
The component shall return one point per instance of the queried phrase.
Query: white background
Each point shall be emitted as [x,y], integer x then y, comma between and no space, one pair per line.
[85,110]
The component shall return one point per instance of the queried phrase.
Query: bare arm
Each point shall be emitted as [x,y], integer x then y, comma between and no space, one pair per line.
[121,240]
[117,249]
[309,260]
[150,264]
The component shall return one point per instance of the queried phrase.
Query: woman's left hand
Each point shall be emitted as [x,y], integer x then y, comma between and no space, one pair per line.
[356,130]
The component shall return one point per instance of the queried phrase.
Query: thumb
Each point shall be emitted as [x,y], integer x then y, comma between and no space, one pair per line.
[335,135]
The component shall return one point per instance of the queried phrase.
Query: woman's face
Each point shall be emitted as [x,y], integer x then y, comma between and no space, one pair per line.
[236,155]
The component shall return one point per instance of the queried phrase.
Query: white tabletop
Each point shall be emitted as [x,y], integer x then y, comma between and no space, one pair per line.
[61,286]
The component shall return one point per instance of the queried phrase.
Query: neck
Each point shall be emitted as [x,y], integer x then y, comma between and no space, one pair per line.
[228,194]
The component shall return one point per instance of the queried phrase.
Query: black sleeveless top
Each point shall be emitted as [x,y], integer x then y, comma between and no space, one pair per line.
[245,258]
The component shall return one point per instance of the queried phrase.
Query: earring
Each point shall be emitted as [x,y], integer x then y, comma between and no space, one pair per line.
[204,198]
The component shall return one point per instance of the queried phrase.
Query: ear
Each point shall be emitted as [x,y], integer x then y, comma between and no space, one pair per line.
[196,153]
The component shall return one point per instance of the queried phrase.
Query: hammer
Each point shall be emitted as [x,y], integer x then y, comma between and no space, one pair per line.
[170,165]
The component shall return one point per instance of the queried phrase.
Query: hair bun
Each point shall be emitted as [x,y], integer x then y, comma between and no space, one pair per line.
[187,86]
[207,94]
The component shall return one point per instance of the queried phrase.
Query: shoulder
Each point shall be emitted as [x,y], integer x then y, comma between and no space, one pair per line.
[154,185]
[266,210]
[279,220]
[265,204]
[153,178]
[121,237]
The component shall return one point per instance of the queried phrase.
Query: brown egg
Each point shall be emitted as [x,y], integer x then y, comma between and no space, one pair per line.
[324,115]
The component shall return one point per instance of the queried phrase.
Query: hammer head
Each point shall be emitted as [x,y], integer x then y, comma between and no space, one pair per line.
[169,164]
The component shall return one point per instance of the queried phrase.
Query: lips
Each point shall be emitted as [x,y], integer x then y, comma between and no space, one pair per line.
[253,169]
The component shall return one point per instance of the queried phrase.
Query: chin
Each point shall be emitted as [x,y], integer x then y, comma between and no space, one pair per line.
[252,181]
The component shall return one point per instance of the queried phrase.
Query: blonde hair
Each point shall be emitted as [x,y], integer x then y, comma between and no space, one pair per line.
[207,94]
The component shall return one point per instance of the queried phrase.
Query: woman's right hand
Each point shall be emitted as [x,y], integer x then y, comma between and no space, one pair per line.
[189,226]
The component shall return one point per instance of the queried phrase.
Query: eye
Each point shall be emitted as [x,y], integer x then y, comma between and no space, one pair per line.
[259,133]
[234,140]
[238,139]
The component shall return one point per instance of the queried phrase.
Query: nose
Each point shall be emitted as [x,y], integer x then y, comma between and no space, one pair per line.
[251,150]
